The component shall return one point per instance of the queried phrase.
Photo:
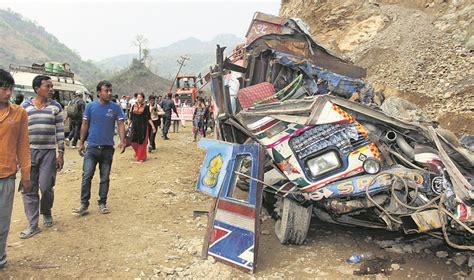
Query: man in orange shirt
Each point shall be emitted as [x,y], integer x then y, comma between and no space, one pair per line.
[15,150]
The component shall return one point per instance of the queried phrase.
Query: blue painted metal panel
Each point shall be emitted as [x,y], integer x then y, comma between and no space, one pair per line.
[214,167]
[235,246]
[234,233]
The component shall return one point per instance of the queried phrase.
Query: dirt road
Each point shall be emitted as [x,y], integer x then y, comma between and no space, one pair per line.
[151,232]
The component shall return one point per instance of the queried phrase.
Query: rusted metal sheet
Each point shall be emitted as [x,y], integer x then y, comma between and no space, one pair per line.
[263,24]
[293,47]
[326,61]
[298,47]
[421,221]
[283,34]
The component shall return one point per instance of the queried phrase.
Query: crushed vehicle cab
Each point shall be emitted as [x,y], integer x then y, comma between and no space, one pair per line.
[331,147]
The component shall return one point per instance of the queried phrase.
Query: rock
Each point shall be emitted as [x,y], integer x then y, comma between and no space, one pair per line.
[459,260]
[399,249]
[168,192]
[171,257]
[442,254]
[167,270]
[265,232]
[460,275]
[395,266]
[470,263]
[470,43]
[344,269]
[265,217]
[308,270]
[419,246]
[193,250]
[385,243]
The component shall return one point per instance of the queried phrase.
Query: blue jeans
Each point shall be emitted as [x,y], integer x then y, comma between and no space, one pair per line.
[166,124]
[75,132]
[102,155]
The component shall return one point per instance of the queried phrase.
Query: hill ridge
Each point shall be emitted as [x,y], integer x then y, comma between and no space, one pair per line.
[25,42]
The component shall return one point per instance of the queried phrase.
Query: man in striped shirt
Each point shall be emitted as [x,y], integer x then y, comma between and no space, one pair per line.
[46,133]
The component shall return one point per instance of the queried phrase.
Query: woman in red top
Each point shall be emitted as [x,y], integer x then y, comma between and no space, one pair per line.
[138,121]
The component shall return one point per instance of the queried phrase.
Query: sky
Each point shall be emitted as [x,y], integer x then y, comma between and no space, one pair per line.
[104,28]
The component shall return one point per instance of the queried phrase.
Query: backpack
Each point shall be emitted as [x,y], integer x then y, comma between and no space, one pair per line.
[73,110]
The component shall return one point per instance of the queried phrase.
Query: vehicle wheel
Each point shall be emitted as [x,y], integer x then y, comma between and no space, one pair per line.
[293,225]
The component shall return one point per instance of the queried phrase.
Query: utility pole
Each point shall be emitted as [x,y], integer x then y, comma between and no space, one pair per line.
[181,62]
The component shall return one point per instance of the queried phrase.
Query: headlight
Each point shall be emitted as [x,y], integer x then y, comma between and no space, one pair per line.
[372,166]
[324,163]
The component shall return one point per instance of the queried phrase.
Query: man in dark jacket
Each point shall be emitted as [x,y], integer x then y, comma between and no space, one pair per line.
[167,105]
[75,118]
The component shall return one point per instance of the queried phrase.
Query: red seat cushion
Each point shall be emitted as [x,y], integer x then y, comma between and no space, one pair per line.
[249,95]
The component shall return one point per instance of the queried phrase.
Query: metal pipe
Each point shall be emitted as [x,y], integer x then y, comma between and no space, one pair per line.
[343,207]
[405,147]
[390,136]
[402,158]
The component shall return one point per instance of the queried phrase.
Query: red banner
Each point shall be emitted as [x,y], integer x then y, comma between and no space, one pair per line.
[185,113]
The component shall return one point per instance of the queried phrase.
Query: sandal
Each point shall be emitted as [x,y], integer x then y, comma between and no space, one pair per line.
[29,232]
[47,220]
[103,209]
[81,211]
[3,262]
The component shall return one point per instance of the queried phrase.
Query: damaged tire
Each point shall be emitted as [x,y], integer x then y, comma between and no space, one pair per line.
[293,224]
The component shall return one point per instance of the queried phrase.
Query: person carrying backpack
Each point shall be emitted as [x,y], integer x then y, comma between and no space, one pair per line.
[75,110]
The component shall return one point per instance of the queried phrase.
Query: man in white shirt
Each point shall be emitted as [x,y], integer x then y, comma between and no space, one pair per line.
[124,104]
[133,100]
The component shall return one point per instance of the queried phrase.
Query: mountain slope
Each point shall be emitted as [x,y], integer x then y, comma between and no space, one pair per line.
[163,60]
[25,43]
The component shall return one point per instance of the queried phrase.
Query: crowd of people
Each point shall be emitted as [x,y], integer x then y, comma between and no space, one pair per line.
[148,116]
[33,141]
[143,119]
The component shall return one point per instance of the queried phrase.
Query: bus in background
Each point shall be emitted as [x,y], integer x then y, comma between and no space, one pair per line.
[65,84]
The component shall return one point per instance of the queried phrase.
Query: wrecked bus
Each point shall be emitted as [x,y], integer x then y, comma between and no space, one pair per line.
[300,132]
